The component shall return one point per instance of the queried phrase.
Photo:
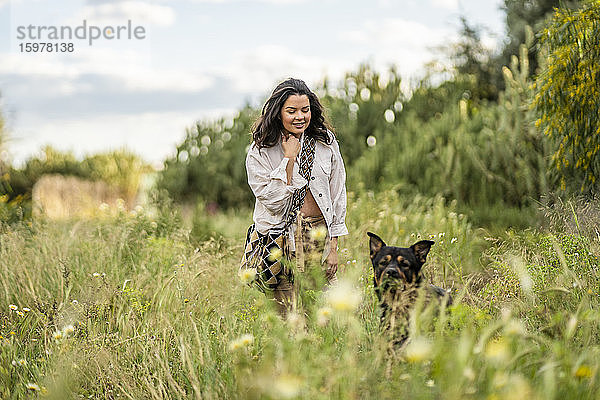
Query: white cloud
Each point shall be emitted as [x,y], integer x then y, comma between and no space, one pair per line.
[408,44]
[448,4]
[276,2]
[151,135]
[258,69]
[139,12]
[132,69]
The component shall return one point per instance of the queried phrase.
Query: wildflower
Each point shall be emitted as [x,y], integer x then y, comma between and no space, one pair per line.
[318,233]
[186,300]
[243,341]
[500,379]
[103,207]
[515,328]
[418,350]
[275,254]
[96,275]
[58,335]
[442,234]
[34,387]
[431,236]
[430,383]
[247,339]
[22,362]
[323,316]
[13,332]
[13,307]
[583,372]
[287,386]
[453,240]
[138,209]
[26,309]
[68,330]
[343,297]
[20,313]
[497,351]
[295,321]
[153,225]
[75,302]
[469,373]
[247,275]
[120,204]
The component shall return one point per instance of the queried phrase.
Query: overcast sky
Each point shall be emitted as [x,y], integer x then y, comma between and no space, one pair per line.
[198,59]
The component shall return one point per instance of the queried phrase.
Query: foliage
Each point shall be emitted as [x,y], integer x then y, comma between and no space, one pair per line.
[119,168]
[482,156]
[362,104]
[209,163]
[567,97]
[521,16]
[471,60]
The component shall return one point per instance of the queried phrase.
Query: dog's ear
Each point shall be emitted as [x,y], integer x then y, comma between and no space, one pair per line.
[375,244]
[421,249]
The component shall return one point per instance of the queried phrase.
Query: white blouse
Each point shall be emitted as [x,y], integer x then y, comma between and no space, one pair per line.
[267,178]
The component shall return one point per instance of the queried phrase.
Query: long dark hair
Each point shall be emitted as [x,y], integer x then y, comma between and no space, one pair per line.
[268,127]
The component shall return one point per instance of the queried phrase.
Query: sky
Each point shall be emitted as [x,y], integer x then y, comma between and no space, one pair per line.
[196,59]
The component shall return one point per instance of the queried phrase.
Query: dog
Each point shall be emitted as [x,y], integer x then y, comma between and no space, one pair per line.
[398,280]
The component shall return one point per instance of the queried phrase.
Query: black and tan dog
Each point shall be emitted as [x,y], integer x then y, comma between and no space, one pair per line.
[398,282]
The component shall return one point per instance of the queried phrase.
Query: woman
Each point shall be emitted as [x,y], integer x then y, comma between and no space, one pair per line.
[297,175]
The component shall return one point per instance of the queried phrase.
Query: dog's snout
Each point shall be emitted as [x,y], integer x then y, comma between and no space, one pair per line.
[392,272]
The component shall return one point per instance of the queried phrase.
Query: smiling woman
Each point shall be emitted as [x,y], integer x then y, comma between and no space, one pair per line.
[297,175]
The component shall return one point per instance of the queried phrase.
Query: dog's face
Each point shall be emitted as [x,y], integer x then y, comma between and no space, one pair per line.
[397,266]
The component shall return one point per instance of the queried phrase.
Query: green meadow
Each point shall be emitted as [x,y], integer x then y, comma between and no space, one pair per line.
[133,305]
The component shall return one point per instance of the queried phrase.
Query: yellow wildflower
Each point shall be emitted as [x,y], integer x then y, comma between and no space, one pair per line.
[583,371]
[247,275]
[343,297]
[68,330]
[287,386]
[241,342]
[323,316]
[318,233]
[275,254]
[418,350]
[34,387]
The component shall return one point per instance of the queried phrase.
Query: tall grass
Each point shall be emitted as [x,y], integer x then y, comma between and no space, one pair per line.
[133,306]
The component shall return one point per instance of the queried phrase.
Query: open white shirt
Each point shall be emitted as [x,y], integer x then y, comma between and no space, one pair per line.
[267,178]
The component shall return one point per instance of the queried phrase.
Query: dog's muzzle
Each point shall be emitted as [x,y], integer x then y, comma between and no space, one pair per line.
[393,273]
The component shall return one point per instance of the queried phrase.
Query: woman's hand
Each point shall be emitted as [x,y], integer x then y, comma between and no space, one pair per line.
[332,259]
[291,146]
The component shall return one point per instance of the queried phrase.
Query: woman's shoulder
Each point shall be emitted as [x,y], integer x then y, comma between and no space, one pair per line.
[254,151]
[331,143]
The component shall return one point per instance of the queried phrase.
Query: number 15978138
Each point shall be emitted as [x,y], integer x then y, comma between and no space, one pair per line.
[44,47]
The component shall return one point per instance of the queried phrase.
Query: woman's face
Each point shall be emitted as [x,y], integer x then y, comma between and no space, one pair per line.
[295,114]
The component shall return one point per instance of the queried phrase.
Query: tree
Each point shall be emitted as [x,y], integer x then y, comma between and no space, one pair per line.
[568,96]
[521,14]
[472,60]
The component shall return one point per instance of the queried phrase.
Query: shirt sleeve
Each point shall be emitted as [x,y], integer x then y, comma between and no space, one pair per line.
[270,185]
[337,185]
